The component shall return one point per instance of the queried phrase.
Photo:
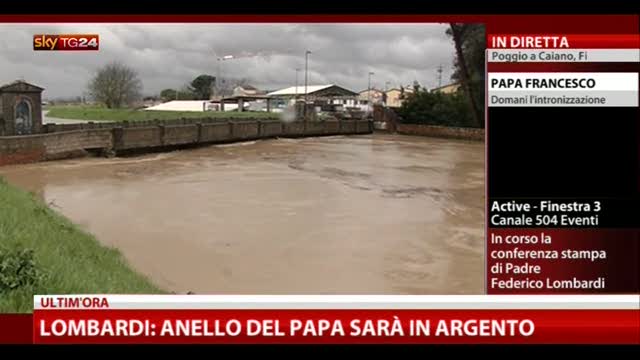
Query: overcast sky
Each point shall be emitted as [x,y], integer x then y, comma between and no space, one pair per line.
[170,55]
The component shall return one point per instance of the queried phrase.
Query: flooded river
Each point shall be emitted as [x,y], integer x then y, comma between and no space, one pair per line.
[378,214]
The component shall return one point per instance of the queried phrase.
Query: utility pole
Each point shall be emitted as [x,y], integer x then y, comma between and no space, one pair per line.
[296,97]
[220,59]
[306,76]
[439,75]
[218,76]
[369,90]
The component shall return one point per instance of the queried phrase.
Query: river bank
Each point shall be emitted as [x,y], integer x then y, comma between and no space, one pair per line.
[65,259]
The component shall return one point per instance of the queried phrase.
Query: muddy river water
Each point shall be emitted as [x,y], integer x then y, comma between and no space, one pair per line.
[375,214]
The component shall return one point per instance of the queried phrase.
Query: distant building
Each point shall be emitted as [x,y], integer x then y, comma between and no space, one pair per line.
[244,90]
[377,96]
[447,89]
[396,96]
[317,94]
[20,109]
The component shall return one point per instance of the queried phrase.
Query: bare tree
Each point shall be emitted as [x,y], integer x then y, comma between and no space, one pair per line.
[115,85]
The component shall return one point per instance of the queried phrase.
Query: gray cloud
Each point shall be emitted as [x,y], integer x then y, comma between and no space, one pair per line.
[170,55]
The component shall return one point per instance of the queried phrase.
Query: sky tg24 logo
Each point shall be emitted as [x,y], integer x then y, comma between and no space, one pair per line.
[67,42]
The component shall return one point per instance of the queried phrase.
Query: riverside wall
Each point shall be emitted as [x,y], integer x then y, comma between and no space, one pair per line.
[63,141]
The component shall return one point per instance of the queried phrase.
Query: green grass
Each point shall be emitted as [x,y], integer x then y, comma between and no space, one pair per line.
[72,261]
[94,113]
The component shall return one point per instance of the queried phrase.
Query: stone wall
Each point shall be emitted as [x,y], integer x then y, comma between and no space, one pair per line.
[215,132]
[180,134]
[271,128]
[21,149]
[314,128]
[33,148]
[59,144]
[67,144]
[331,127]
[136,138]
[244,130]
[363,127]
[348,127]
[441,131]
[295,128]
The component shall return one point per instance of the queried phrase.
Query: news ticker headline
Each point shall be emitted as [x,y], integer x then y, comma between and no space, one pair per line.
[335,319]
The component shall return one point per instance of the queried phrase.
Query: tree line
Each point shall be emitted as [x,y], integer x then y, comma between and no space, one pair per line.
[117,85]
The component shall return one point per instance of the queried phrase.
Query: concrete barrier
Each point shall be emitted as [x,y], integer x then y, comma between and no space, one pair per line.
[348,127]
[138,137]
[65,145]
[331,127]
[441,131]
[244,130]
[61,145]
[363,126]
[21,149]
[315,128]
[295,128]
[39,147]
[271,128]
[215,132]
[58,144]
[180,134]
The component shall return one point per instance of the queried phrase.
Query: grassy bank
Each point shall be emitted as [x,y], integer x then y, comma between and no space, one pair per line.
[104,114]
[65,259]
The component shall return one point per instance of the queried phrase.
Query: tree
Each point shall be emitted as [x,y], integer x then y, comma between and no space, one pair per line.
[416,86]
[469,40]
[202,86]
[436,108]
[115,85]
[172,94]
[168,94]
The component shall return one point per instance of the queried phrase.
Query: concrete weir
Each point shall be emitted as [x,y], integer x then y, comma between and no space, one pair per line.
[59,142]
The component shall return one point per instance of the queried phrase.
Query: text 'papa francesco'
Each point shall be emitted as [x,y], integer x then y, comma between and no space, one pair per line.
[532,83]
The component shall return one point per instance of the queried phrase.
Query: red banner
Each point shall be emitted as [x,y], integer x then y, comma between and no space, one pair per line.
[566,41]
[337,326]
